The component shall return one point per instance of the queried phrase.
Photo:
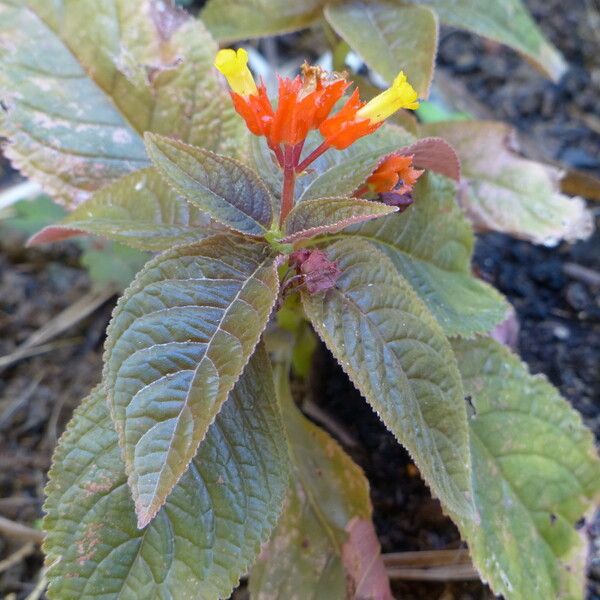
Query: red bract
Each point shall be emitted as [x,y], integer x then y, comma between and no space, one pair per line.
[304,103]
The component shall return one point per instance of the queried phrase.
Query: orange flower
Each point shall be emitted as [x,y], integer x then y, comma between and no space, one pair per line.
[343,129]
[357,119]
[396,173]
[255,109]
[304,104]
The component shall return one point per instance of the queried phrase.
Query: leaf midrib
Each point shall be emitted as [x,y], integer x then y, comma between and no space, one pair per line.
[310,495]
[347,368]
[215,213]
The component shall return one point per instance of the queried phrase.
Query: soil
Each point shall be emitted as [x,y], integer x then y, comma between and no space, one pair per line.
[557,307]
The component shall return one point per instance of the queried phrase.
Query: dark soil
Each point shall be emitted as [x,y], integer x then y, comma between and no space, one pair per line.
[559,315]
[38,395]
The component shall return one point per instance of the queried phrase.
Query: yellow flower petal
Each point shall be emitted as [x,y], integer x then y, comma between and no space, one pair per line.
[399,95]
[234,65]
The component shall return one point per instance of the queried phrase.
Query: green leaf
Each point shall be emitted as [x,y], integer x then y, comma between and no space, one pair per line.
[211,527]
[308,554]
[111,264]
[29,216]
[508,193]
[507,22]
[431,245]
[345,175]
[230,20]
[351,171]
[139,210]
[314,217]
[82,84]
[397,356]
[178,341]
[434,111]
[536,473]
[226,189]
[390,37]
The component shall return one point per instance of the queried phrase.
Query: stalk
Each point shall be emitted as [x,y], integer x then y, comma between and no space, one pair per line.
[312,156]
[289,183]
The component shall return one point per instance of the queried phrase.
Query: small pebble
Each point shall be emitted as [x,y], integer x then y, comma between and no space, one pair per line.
[577,296]
[561,332]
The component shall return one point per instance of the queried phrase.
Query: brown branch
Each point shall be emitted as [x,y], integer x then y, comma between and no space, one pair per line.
[18,531]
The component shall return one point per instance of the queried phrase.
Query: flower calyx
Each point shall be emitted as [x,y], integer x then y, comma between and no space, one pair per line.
[314,269]
[392,181]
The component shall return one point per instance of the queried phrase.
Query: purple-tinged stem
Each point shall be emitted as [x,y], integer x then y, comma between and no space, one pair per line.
[289,183]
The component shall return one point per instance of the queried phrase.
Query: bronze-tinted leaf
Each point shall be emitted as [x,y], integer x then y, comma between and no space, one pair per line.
[227,190]
[81,83]
[398,357]
[139,210]
[508,193]
[178,341]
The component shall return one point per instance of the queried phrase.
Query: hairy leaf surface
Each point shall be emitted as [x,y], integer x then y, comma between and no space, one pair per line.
[535,474]
[508,193]
[397,356]
[226,189]
[139,210]
[507,22]
[313,217]
[390,37]
[83,80]
[211,527]
[314,551]
[230,20]
[178,341]
[431,244]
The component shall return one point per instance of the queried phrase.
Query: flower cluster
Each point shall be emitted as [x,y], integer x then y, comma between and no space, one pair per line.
[305,104]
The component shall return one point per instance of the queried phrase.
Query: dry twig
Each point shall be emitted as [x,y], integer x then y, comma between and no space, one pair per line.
[18,531]
[432,565]
[16,557]
[37,343]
